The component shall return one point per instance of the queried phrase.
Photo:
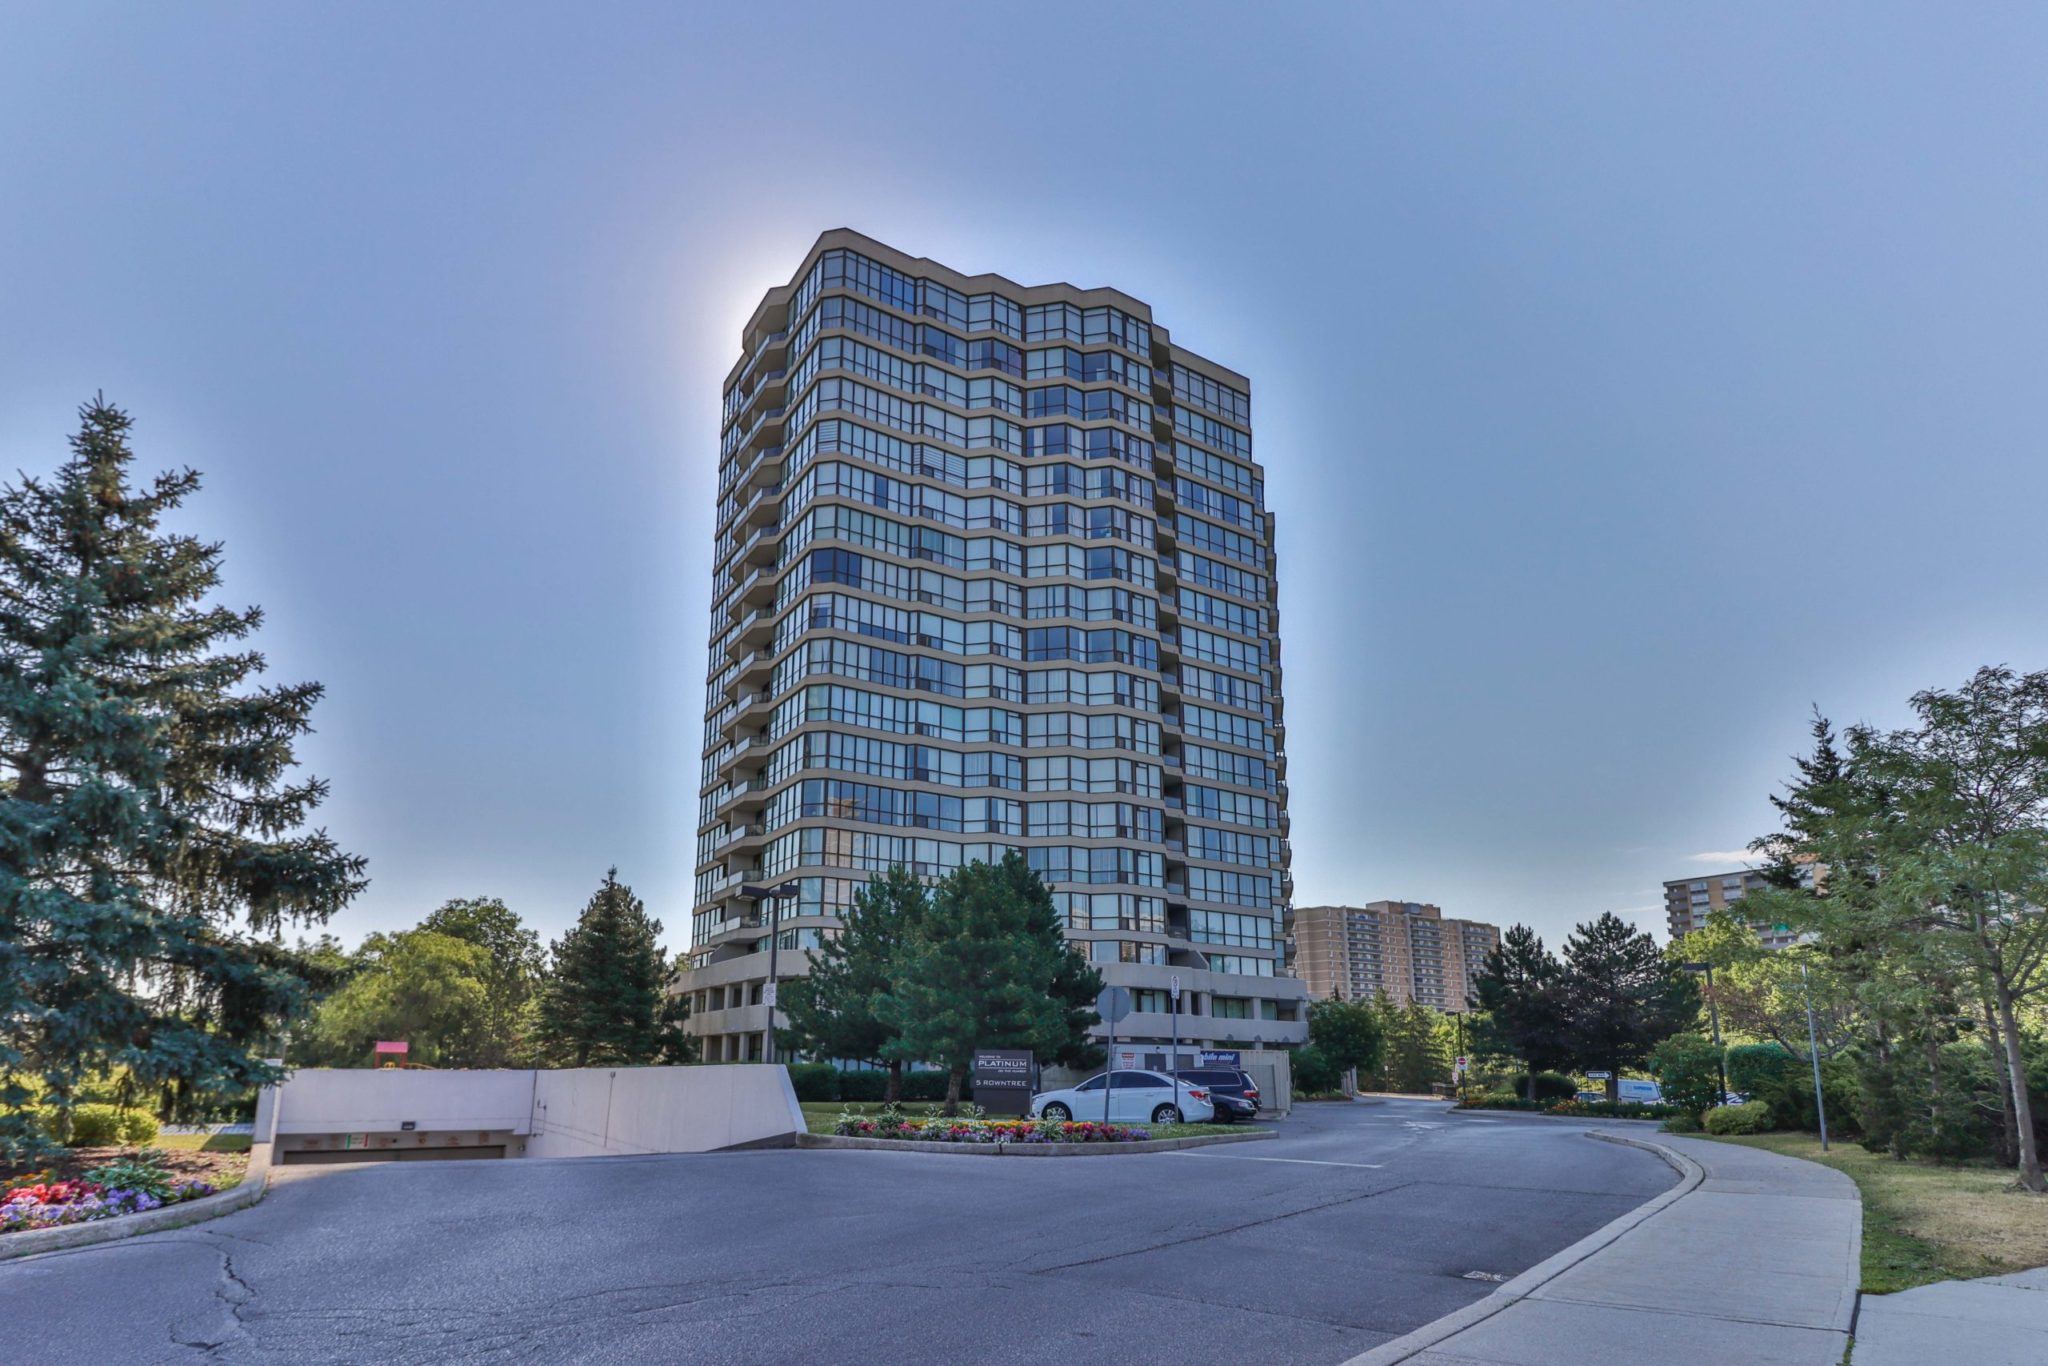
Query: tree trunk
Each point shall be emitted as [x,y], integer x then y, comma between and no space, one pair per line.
[953,1076]
[1934,1089]
[2009,1135]
[1529,1086]
[2023,1104]
[893,1093]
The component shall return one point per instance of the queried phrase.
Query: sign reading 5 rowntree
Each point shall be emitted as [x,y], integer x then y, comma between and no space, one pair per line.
[1004,1079]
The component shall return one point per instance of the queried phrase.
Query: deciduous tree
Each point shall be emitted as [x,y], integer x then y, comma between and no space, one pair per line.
[1935,840]
[427,989]
[1348,1033]
[501,1033]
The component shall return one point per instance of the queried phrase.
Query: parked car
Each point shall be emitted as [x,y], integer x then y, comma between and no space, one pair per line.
[1135,1097]
[1232,1091]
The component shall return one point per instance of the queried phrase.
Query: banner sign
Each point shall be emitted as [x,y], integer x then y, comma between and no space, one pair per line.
[1220,1057]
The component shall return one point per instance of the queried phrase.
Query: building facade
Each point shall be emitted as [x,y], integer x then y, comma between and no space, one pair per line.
[1407,949]
[1689,900]
[993,571]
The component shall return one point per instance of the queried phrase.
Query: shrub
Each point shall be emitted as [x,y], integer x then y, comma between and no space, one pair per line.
[1681,1124]
[143,1171]
[1687,1070]
[95,1126]
[863,1085]
[138,1127]
[1549,1086]
[1612,1109]
[814,1080]
[1751,1117]
[1499,1100]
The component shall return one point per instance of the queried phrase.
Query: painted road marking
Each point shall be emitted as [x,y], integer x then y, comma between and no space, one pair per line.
[1302,1161]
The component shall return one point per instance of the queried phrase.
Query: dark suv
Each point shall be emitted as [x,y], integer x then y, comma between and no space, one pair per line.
[1234,1094]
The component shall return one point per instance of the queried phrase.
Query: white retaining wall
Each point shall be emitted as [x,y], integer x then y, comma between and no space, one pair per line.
[572,1112]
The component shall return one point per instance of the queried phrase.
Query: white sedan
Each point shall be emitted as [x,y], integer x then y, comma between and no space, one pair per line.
[1134,1098]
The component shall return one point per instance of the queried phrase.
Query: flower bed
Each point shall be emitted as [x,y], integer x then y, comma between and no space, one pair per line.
[127,1186]
[75,1202]
[939,1129]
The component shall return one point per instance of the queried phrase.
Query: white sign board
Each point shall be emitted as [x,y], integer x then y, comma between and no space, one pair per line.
[1173,986]
[1598,1076]
[768,995]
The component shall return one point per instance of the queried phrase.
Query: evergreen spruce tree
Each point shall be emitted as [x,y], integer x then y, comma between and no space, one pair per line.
[605,1002]
[1521,990]
[152,841]
[988,967]
[831,1010]
[1624,996]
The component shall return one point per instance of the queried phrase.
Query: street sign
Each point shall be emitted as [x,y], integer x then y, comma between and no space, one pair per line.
[1004,1079]
[1112,1004]
[1173,986]
[1599,1076]
[768,996]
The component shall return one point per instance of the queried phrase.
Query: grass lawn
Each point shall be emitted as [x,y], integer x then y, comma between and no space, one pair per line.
[823,1114]
[1925,1222]
[201,1143]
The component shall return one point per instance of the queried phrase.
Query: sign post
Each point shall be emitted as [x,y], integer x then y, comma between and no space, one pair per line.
[1173,1048]
[1112,1004]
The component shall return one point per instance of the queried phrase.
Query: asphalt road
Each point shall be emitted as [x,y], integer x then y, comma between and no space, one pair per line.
[1359,1223]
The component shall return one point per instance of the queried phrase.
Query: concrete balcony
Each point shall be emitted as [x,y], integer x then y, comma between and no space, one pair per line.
[731,1020]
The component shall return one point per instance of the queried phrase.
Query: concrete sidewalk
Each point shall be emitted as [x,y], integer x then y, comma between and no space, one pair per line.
[1997,1321]
[1752,1258]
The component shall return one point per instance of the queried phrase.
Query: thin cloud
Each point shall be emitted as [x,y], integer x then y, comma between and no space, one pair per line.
[1741,858]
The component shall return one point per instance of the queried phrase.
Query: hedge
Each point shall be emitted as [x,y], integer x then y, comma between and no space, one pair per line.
[103,1126]
[1752,1117]
[814,1080]
[863,1085]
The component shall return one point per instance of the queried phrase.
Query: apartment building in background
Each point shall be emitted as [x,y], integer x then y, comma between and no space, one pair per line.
[993,571]
[1407,949]
[1688,900]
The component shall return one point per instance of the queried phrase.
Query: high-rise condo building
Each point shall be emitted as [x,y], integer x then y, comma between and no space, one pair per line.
[1405,948]
[993,571]
[1688,900]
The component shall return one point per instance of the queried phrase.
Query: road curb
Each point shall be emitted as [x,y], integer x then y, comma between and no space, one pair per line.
[35,1242]
[902,1145]
[1690,1173]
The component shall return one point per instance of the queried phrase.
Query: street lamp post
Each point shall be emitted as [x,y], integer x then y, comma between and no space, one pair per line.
[1820,1104]
[771,895]
[1714,1016]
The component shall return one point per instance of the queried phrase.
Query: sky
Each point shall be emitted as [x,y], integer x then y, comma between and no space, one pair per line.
[1630,380]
